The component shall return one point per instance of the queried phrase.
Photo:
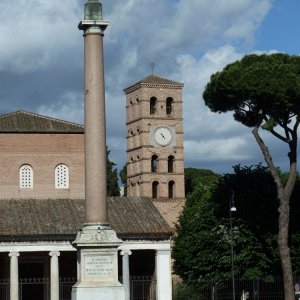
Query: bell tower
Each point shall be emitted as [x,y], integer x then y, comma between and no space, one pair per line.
[155,159]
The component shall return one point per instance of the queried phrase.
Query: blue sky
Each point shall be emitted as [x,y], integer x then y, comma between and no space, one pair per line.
[41,63]
[280,28]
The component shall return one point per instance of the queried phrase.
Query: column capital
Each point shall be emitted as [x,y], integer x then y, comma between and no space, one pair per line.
[163,252]
[14,254]
[125,252]
[93,26]
[54,253]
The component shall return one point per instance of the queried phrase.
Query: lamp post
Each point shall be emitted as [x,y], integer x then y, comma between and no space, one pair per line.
[232,208]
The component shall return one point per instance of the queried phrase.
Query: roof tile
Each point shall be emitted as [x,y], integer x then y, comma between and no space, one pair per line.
[153,80]
[26,122]
[136,217]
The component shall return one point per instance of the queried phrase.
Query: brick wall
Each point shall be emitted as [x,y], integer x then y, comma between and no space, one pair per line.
[43,152]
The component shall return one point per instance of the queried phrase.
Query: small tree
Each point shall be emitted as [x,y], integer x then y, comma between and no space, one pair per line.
[263,91]
[112,178]
[202,244]
[194,177]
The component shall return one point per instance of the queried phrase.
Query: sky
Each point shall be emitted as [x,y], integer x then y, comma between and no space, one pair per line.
[41,64]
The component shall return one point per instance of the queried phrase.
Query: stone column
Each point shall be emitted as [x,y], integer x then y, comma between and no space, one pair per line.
[95,142]
[126,273]
[14,275]
[163,275]
[54,275]
[97,244]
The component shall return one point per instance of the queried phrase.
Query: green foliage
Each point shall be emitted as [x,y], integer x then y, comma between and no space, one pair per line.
[269,125]
[255,196]
[263,91]
[202,244]
[182,291]
[194,248]
[295,250]
[256,86]
[112,178]
[194,177]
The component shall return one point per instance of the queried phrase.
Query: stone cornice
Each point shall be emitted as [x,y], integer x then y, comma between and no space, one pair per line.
[139,85]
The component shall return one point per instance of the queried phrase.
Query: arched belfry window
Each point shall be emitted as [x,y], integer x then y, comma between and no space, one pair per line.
[155,189]
[153,104]
[171,186]
[171,159]
[61,177]
[26,177]
[154,160]
[169,106]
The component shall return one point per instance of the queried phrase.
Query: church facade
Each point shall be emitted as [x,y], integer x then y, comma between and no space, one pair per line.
[42,208]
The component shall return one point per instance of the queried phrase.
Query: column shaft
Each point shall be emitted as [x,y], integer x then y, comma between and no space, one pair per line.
[126,273]
[163,275]
[14,275]
[95,141]
[54,275]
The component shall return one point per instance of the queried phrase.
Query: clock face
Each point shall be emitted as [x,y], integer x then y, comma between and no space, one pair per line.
[163,136]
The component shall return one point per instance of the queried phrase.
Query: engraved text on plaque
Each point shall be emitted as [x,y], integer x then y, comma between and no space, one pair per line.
[99,267]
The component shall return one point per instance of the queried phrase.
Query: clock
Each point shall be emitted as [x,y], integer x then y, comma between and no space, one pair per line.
[163,136]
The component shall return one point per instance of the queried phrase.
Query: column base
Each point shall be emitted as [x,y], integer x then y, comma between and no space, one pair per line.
[96,292]
[97,254]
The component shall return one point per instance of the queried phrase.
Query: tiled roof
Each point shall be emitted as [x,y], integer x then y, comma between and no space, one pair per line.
[158,80]
[26,122]
[154,80]
[132,218]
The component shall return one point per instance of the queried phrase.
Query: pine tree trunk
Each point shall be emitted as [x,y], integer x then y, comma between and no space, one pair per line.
[284,249]
[283,194]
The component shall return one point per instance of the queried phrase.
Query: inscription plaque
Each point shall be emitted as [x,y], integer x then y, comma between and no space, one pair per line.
[99,267]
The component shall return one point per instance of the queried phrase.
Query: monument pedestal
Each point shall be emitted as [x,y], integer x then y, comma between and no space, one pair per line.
[97,255]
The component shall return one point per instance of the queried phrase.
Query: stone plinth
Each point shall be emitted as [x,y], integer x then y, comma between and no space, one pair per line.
[97,247]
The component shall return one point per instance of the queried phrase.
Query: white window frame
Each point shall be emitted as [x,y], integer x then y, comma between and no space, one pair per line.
[26,179]
[62,181]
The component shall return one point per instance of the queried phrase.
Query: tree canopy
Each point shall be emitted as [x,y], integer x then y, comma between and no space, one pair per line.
[194,177]
[258,87]
[202,243]
[263,92]
[112,178]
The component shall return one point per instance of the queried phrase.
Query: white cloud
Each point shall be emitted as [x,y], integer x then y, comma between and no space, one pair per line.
[248,18]
[187,39]
[34,33]
[69,107]
[221,149]
[161,30]
[210,136]
[195,74]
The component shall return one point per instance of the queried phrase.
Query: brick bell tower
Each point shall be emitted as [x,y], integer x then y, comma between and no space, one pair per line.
[155,159]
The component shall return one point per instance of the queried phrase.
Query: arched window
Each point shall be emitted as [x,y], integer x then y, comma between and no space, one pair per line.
[171,186]
[61,177]
[155,189]
[171,159]
[154,159]
[169,106]
[26,177]
[153,102]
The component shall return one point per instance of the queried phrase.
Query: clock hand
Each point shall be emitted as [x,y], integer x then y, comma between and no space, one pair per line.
[162,136]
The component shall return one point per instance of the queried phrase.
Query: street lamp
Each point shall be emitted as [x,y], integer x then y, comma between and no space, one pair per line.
[233,230]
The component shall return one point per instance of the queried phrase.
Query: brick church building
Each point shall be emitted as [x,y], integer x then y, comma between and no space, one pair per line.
[42,193]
